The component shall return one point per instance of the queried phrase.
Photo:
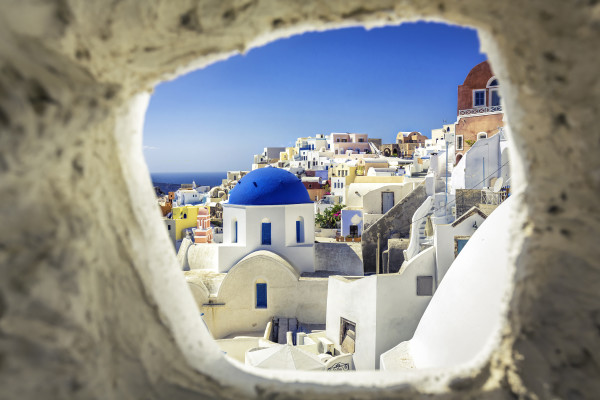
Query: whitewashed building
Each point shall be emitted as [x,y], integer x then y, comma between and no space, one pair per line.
[269,209]
[485,160]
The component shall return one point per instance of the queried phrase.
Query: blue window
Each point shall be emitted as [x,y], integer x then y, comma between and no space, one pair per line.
[299,238]
[261,295]
[235,232]
[478,98]
[460,243]
[266,233]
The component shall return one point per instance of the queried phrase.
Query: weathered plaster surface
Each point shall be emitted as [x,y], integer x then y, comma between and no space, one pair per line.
[344,258]
[394,224]
[92,307]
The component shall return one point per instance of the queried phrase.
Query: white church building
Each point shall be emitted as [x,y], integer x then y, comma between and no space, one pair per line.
[269,209]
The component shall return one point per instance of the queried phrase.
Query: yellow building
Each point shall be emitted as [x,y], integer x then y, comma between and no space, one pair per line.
[364,165]
[343,171]
[184,217]
[288,154]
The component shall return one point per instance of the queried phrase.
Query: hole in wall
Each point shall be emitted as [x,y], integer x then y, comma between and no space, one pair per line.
[201,141]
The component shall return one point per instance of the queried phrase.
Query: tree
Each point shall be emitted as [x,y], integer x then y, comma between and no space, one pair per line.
[330,217]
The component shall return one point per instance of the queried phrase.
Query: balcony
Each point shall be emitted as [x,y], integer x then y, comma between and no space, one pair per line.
[473,112]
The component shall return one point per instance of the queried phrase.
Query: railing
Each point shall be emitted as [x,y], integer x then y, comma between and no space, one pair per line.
[494,198]
[479,110]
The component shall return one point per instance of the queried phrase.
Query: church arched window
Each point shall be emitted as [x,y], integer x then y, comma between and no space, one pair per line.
[266,232]
[300,230]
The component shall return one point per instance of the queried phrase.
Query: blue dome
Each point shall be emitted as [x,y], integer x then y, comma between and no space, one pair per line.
[267,187]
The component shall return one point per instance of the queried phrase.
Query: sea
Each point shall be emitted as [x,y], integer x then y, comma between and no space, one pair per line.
[171,181]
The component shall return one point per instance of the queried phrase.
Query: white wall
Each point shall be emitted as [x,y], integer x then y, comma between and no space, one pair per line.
[283,234]
[385,308]
[483,157]
[444,241]
[399,309]
[372,199]
[336,190]
[464,318]
[236,348]
[203,256]
[187,196]
[288,295]
[355,301]
[355,199]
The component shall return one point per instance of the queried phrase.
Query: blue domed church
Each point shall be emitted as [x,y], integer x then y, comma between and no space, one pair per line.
[268,210]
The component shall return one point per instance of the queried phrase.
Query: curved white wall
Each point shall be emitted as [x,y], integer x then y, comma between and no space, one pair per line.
[464,316]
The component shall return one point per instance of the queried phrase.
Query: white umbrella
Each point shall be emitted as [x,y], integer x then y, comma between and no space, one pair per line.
[283,357]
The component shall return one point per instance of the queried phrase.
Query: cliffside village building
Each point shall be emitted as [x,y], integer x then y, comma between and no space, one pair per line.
[350,289]
[479,110]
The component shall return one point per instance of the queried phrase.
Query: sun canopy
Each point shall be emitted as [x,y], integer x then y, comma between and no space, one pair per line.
[283,357]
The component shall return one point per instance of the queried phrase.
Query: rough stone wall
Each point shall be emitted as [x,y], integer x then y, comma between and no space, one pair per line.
[465,199]
[395,222]
[393,257]
[93,308]
[388,149]
[345,258]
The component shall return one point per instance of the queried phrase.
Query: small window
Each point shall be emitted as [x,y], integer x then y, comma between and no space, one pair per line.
[300,230]
[169,227]
[347,335]
[478,98]
[234,233]
[460,244]
[424,285]
[184,216]
[459,142]
[266,233]
[261,295]
[481,135]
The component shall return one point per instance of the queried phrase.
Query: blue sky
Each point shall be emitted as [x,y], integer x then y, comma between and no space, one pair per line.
[378,82]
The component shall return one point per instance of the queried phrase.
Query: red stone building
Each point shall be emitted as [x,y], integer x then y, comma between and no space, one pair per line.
[478,108]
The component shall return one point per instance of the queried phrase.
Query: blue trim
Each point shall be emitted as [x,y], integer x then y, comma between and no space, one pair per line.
[299,232]
[266,233]
[261,295]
